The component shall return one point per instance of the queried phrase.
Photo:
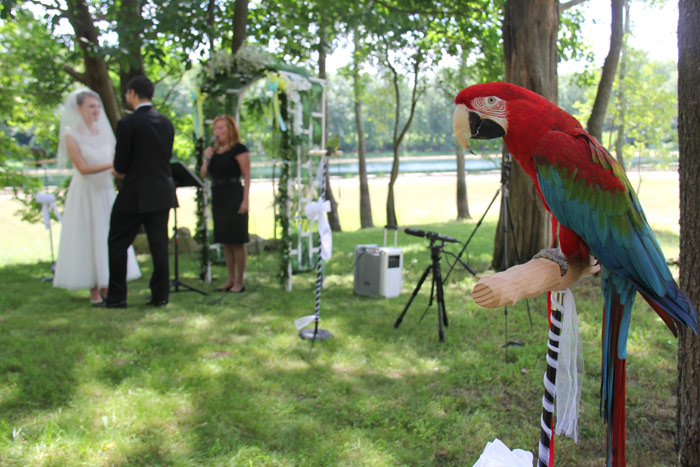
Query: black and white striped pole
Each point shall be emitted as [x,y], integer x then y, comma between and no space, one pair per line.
[550,381]
[316,333]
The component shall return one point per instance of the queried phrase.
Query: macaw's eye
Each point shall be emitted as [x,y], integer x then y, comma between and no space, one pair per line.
[491,100]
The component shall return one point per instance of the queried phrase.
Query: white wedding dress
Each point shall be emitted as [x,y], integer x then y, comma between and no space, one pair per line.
[82,253]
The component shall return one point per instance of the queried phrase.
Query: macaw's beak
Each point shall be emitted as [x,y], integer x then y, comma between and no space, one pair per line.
[461,127]
[468,124]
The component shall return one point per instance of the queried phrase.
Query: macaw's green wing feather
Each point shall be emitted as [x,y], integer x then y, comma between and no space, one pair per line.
[588,193]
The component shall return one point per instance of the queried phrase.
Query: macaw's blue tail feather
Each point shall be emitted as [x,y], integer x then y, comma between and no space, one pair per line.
[674,307]
[618,295]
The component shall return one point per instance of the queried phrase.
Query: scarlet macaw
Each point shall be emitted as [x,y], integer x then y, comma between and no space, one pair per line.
[598,212]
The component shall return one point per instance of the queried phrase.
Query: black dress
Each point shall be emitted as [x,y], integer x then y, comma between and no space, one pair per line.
[227,196]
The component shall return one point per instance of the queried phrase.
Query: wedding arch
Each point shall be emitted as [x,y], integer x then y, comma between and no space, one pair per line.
[291,105]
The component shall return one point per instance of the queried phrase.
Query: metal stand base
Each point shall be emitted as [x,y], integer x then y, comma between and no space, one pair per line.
[319,335]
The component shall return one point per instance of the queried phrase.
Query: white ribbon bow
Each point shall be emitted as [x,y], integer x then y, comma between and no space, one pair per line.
[315,211]
[48,201]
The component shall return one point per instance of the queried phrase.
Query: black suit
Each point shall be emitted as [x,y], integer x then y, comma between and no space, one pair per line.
[147,192]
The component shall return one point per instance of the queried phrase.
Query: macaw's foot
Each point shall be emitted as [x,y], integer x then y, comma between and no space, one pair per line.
[555,254]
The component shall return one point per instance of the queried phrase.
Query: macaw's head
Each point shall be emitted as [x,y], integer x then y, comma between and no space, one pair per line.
[493,110]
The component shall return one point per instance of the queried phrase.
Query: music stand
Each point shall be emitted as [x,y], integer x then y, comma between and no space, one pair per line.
[183,177]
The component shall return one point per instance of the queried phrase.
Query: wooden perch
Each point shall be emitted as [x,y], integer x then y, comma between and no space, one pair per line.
[528,280]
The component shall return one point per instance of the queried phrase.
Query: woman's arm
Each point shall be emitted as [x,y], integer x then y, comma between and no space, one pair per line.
[204,170]
[76,157]
[244,162]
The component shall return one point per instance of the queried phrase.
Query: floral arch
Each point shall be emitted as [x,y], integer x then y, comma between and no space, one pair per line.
[292,107]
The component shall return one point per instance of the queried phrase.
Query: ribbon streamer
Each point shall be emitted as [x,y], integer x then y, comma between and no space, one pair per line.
[48,201]
[315,211]
[570,368]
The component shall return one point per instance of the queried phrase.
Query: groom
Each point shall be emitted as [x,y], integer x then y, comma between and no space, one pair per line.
[147,192]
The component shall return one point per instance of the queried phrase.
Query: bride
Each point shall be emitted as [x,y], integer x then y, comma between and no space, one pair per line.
[86,140]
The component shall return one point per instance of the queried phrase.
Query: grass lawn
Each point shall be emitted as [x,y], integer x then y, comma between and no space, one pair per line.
[224,379]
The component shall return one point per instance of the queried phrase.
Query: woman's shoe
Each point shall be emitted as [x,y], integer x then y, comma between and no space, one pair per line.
[230,290]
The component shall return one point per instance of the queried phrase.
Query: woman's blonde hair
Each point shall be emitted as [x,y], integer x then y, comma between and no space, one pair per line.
[233,133]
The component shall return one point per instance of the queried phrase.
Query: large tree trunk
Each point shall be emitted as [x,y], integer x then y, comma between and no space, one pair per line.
[240,24]
[607,77]
[96,74]
[530,48]
[333,218]
[365,204]
[130,41]
[688,415]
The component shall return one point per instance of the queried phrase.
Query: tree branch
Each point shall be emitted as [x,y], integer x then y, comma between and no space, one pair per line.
[570,4]
[75,74]
[528,280]
[422,11]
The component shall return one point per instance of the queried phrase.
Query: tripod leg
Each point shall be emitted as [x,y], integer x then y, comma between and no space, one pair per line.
[464,247]
[413,295]
[437,275]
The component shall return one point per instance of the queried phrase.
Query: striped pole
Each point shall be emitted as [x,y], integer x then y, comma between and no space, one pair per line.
[319,260]
[546,450]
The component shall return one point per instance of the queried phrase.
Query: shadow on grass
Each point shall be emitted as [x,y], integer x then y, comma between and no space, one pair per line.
[224,378]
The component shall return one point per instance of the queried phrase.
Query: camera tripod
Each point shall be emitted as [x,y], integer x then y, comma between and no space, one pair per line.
[436,289]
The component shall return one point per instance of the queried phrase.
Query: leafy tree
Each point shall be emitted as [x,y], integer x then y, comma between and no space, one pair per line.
[29,95]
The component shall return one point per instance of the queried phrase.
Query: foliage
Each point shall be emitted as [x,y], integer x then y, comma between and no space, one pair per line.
[650,128]
[652,109]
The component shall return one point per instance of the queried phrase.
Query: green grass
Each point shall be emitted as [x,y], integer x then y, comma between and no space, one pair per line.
[225,380]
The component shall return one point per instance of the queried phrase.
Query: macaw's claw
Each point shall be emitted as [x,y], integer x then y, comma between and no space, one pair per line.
[555,254]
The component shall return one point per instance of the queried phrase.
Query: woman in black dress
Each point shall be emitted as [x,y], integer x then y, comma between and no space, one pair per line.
[226,162]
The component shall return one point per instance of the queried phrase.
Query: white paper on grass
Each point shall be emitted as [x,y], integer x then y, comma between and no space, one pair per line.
[497,454]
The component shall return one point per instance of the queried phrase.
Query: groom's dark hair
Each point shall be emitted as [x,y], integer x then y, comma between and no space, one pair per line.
[142,86]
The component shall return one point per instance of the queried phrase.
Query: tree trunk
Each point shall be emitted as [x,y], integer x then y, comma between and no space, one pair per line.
[462,201]
[530,48]
[130,41]
[240,24]
[399,134]
[96,74]
[621,96]
[688,412]
[333,218]
[597,119]
[211,19]
[365,204]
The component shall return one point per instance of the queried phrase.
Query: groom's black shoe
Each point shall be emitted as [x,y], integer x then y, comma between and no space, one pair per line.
[156,303]
[106,304]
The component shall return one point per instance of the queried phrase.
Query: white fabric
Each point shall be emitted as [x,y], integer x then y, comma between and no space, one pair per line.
[82,252]
[304,321]
[315,211]
[570,368]
[497,454]
[48,204]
